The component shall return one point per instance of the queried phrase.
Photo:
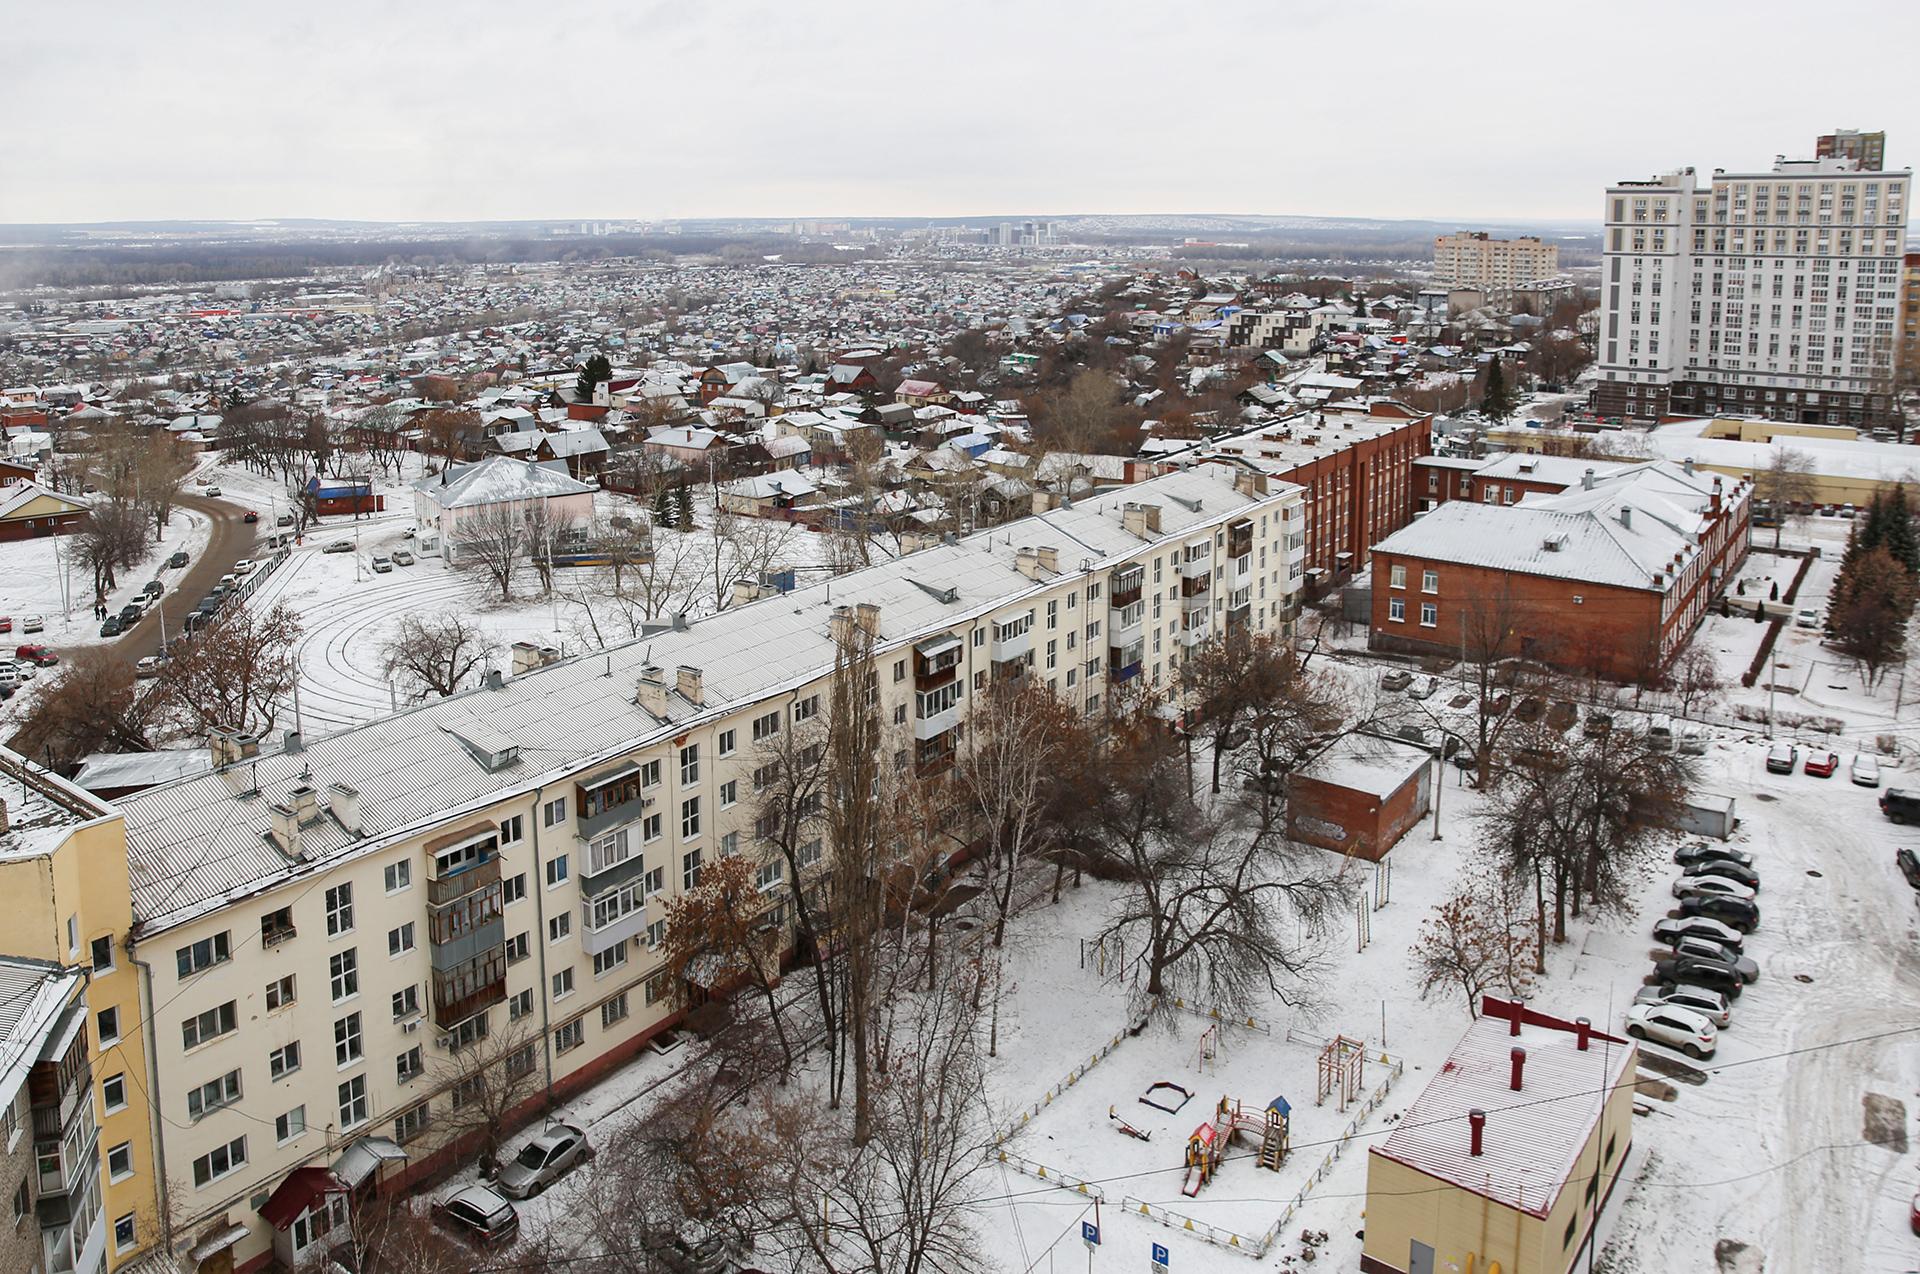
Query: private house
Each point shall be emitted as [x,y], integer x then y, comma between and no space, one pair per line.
[769,495]
[465,499]
[922,393]
[687,444]
[28,510]
[851,378]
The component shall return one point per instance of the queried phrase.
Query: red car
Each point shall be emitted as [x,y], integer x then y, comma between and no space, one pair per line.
[36,655]
[1821,764]
[6,623]
[251,516]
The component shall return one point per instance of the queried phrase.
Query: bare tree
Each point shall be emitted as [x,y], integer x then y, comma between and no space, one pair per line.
[1477,938]
[1695,678]
[1016,733]
[489,1079]
[93,703]
[497,542]
[718,937]
[114,539]
[236,673]
[436,653]
[1787,485]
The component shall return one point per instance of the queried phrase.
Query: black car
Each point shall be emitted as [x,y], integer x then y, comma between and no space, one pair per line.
[1715,975]
[130,615]
[1726,868]
[178,560]
[112,627]
[1909,865]
[1700,851]
[1902,805]
[1738,912]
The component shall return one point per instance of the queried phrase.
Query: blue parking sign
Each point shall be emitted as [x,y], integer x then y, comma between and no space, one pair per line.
[1160,1255]
[1090,1233]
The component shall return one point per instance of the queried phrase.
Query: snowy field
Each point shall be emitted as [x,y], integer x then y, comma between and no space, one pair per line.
[40,577]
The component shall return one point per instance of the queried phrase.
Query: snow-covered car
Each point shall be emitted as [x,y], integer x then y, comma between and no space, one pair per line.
[339,546]
[1702,851]
[381,565]
[1781,758]
[1715,886]
[544,1160]
[1669,1024]
[148,666]
[1865,771]
[402,558]
[213,492]
[11,673]
[1806,617]
[1671,931]
[1821,763]
[479,1214]
[1423,688]
[33,624]
[1730,870]
[1397,680]
[1709,1004]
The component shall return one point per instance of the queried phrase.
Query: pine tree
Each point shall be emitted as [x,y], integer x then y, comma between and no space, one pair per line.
[1896,530]
[595,370]
[1496,400]
[683,507]
[662,514]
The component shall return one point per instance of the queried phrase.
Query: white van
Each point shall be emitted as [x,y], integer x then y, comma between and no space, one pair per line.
[1660,734]
[1693,740]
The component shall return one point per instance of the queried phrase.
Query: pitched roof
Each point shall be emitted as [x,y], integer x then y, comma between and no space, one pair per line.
[498,480]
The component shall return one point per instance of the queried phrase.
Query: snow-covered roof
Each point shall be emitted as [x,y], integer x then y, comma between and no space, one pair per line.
[101,771]
[1368,763]
[498,480]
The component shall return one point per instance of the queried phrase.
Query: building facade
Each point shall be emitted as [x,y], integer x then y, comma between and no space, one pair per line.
[1770,293]
[340,931]
[49,1138]
[1474,259]
[1867,152]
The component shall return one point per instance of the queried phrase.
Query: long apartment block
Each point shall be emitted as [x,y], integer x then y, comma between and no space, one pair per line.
[326,923]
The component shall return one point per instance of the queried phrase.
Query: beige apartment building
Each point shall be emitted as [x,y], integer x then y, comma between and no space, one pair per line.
[1473,259]
[331,925]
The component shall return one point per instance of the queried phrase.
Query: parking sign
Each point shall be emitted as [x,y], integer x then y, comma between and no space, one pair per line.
[1091,1233]
[1160,1261]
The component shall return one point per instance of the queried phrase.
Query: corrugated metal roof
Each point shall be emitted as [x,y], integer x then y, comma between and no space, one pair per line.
[1533,1136]
[194,843]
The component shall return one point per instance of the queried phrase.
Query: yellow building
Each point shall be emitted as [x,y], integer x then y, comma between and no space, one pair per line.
[1503,1164]
[64,898]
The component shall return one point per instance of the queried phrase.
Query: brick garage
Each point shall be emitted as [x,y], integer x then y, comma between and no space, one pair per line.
[1360,796]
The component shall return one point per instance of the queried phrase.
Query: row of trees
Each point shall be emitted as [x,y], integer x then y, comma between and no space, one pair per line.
[1870,607]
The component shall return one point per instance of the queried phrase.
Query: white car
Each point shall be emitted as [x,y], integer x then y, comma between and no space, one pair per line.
[1671,931]
[1669,1024]
[244,566]
[1711,886]
[381,565]
[33,624]
[1805,618]
[1865,771]
[1709,1004]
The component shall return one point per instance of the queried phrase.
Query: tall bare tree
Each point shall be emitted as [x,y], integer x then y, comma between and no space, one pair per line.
[436,653]
[489,1079]
[236,673]
[1787,484]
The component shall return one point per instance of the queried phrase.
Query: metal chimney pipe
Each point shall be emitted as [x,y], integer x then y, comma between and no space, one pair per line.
[1476,1127]
[1584,1027]
[1519,1056]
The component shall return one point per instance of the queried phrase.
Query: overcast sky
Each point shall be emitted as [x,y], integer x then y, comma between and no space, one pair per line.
[1403,108]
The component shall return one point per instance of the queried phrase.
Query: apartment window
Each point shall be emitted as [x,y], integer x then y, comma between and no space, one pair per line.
[339,910]
[570,1036]
[657,934]
[213,1094]
[344,968]
[563,984]
[690,763]
[353,1102]
[560,926]
[1429,614]
[766,727]
[690,818]
[650,827]
[120,1162]
[656,988]
[553,812]
[196,956]
[556,870]
[605,851]
[409,1065]
[276,926]
[468,1033]
[346,1040]
[219,1162]
[103,954]
[1397,610]
[1573,1223]
[200,1028]
[654,881]
[513,829]
[520,1005]
[399,876]
[290,1125]
[113,1093]
[409,1124]
[517,948]
[770,874]
[614,1010]
[513,889]
[125,1234]
[1397,577]
[730,844]
[726,743]
[280,993]
[605,962]
[730,791]
[1429,581]
[808,854]
[406,1002]
[400,941]
[690,870]
[284,1061]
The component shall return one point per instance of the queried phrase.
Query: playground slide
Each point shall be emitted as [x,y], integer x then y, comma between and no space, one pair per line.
[1196,1178]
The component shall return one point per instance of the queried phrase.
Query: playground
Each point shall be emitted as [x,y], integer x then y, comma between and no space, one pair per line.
[1200,1119]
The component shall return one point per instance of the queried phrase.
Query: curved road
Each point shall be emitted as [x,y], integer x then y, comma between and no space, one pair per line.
[230,539]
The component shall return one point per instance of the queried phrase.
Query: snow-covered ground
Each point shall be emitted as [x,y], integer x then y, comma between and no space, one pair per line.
[40,577]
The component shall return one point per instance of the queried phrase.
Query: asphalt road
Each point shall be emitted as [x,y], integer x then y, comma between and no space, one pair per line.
[229,540]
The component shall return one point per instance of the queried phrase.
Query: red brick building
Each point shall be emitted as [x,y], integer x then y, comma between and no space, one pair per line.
[1359,796]
[1611,577]
[1357,465]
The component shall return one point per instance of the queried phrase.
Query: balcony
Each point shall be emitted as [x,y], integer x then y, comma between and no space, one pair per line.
[1240,538]
[1199,563]
[630,925]
[608,801]
[473,988]
[1123,663]
[1242,570]
[931,757]
[1123,588]
[1014,645]
[940,723]
[1124,620]
[936,661]
[459,884]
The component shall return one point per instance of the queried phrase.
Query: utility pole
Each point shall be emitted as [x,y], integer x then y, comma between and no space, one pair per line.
[1439,780]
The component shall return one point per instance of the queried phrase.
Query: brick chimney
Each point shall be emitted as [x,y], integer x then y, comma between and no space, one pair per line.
[1476,1127]
[690,682]
[1519,1057]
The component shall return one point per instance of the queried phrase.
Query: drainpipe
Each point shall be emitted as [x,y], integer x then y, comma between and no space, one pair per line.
[537,886]
[161,1200]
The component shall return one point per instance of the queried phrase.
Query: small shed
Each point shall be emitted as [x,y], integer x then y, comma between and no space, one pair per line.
[1360,795]
[1709,814]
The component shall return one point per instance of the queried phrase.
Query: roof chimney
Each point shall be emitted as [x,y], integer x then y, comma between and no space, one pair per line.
[290,741]
[691,684]
[866,616]
[1626,517]
[283,825]
[652,693]
[1519,1056]
[1513,1019]
[1586,480]
[1583,1027]
[1049,558]
[344,801]
[1027,562]
[840,625]
[1476,1125]
[1689,465]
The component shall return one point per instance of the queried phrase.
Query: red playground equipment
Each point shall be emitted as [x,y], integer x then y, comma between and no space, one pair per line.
[1268,1130]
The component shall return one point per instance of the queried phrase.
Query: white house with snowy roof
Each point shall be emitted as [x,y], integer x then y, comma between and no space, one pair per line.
[456,503]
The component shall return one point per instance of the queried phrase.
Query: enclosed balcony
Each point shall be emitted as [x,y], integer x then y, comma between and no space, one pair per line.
[1197,561]
[1240,538]
[936,661]
[1123,586]
[610,918]
[937,724]
[1123,621]
[1012,639]
[608,800]
[1123,662]
[471,988]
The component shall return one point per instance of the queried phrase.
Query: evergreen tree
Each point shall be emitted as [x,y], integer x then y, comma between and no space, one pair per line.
[1496,400]
[595,370]
[683,507]
[662,514]
[1896,529]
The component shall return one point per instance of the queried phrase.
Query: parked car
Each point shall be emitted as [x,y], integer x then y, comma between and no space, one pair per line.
[1821,763]
[1865,771]
[1726,869]
[1806,617]
[339,546]
[402,558]
[1909,865]
[544,1160]
[1396,681]
[1670,931]
[111,626]
[36,654]
[1709,1004]
[1597,725]
[6,623]
[382,565]
[1704,851]
[1673,1026]
[1721,886]
[1708,949]
[148,666]
[1741,913]
[1715,975]
[1902,805]
[153,588]
[229,582]
[7,690]
[11,673]
[1539,758]
[245,566]
[213,492]
[285,519]
[178,559]
[1530,708]
[480,1215]
[1562,715]
[1423,688]
[1781,758]
[33,624]
[251,516]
